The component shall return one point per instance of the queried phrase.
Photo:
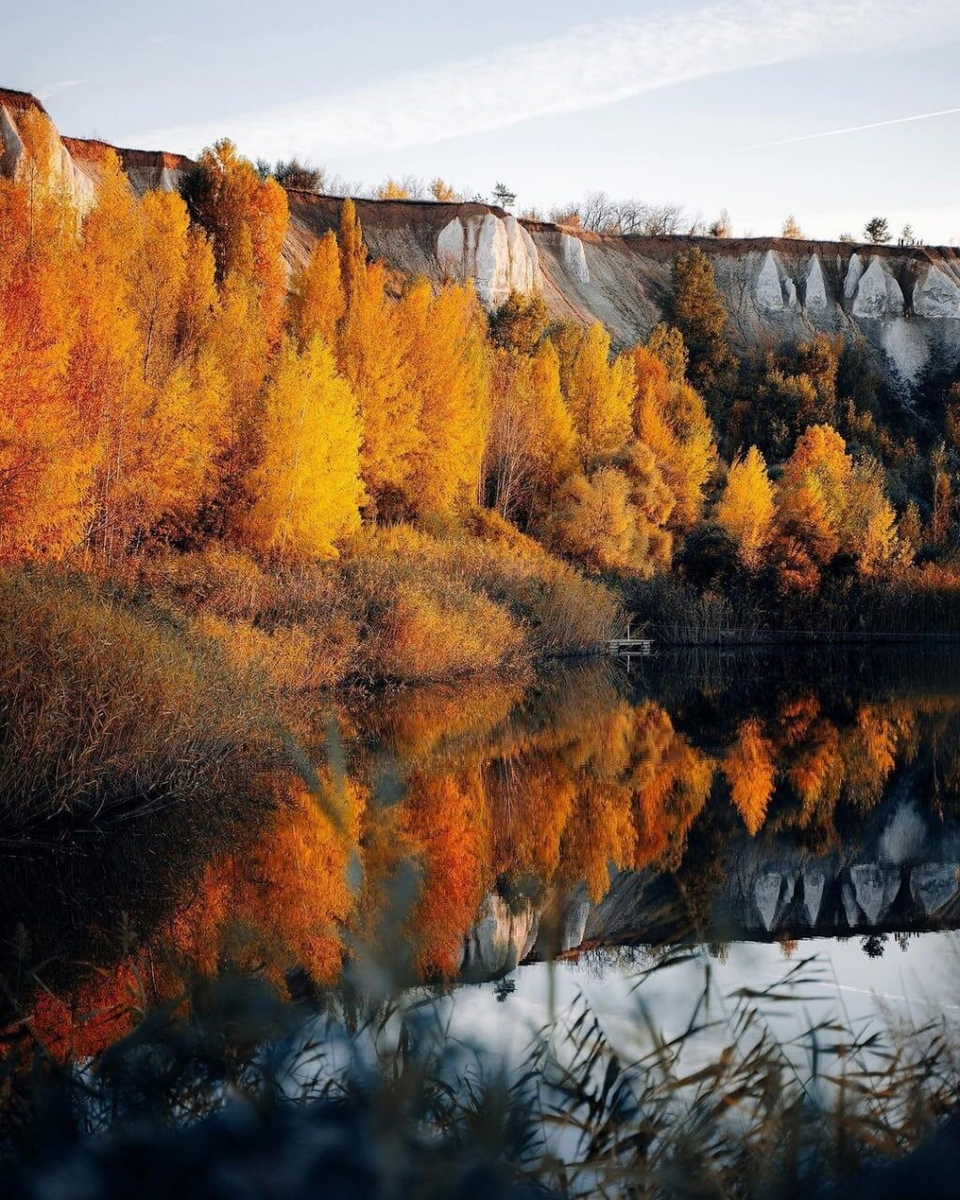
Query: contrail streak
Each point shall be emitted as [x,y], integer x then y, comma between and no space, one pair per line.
[828,133]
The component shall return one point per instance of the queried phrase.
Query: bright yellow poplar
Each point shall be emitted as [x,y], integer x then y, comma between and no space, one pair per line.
[448,372]
[316,303]
[306,487]
[746,508]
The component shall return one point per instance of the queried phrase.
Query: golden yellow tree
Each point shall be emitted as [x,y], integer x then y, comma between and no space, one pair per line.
[751,773]
[531,447]
[246,217]
[597,521]
[374,357]
[746,508]
[671,418]
[598,394]
[306,488]
[812,497]
[46,461]
[447,366]
[353,253]
[316,303]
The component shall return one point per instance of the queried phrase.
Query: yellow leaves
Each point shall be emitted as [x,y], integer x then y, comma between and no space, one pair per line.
[246,217]
[372,352]
[746,508]
[444,822]
[353,254]
[46,463]
[316,303]
[670,418]
[443,192]
[306,486]
[593,521]
[447,368]
[289,884]
[599,394]
[613,520]
[392,189]
[530,448]
[830,504]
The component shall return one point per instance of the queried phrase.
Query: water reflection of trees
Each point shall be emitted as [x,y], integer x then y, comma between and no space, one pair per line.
[531,788]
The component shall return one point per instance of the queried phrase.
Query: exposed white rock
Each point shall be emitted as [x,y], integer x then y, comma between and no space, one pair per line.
[575,923]
[497,253]
[492,271]
[791,291]
[815,289]
[574,258]
[533,260]
[933,884]
[766,893]
[854,275]
[878,294]
[936,296]
[875,888]
[11,145]
[813,884]
[768,290]
[450,249]
[523,256]
[906,347]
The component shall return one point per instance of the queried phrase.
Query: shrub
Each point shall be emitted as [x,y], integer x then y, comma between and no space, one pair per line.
[435,632]
[105,708]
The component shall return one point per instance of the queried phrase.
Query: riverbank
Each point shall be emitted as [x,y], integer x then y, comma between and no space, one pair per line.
[167,678]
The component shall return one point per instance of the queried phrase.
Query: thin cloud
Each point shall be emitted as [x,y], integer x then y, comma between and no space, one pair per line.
[829,133]
[54,89]
[579,69]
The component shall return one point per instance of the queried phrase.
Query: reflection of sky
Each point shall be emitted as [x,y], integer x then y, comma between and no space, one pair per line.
[907,987]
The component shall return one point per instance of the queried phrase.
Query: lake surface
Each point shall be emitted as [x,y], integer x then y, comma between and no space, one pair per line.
[539,842]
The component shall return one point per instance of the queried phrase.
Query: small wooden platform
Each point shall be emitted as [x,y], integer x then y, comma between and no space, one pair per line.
[631,644]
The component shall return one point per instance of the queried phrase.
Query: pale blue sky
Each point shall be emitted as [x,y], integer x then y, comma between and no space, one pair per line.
[664,101]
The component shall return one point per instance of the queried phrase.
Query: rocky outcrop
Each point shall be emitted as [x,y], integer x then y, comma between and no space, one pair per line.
[492,249]
[936,296]
[815,287]
[878,294]
[574,258]
[499,940]
[77,163]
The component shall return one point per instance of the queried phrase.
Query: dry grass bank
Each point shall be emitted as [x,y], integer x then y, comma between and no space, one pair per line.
[104,708]
[400,605]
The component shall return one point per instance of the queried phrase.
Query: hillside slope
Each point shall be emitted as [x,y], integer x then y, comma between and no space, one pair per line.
[903,301]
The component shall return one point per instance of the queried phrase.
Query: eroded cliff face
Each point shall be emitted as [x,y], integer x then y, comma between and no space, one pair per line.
[78,162]
[904,302]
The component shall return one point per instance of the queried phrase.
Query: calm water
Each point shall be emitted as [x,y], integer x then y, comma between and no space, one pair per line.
[762,808]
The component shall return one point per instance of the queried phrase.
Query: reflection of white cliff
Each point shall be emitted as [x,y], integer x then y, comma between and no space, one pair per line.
[910,880]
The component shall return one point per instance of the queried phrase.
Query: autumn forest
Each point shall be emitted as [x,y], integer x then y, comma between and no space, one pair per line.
[297,552]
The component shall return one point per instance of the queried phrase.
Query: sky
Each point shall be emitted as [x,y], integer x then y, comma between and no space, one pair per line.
[833,111]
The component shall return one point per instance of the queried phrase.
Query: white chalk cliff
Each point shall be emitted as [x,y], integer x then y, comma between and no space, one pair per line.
[574,258]
[496,252]
[904,302]
[936,296]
